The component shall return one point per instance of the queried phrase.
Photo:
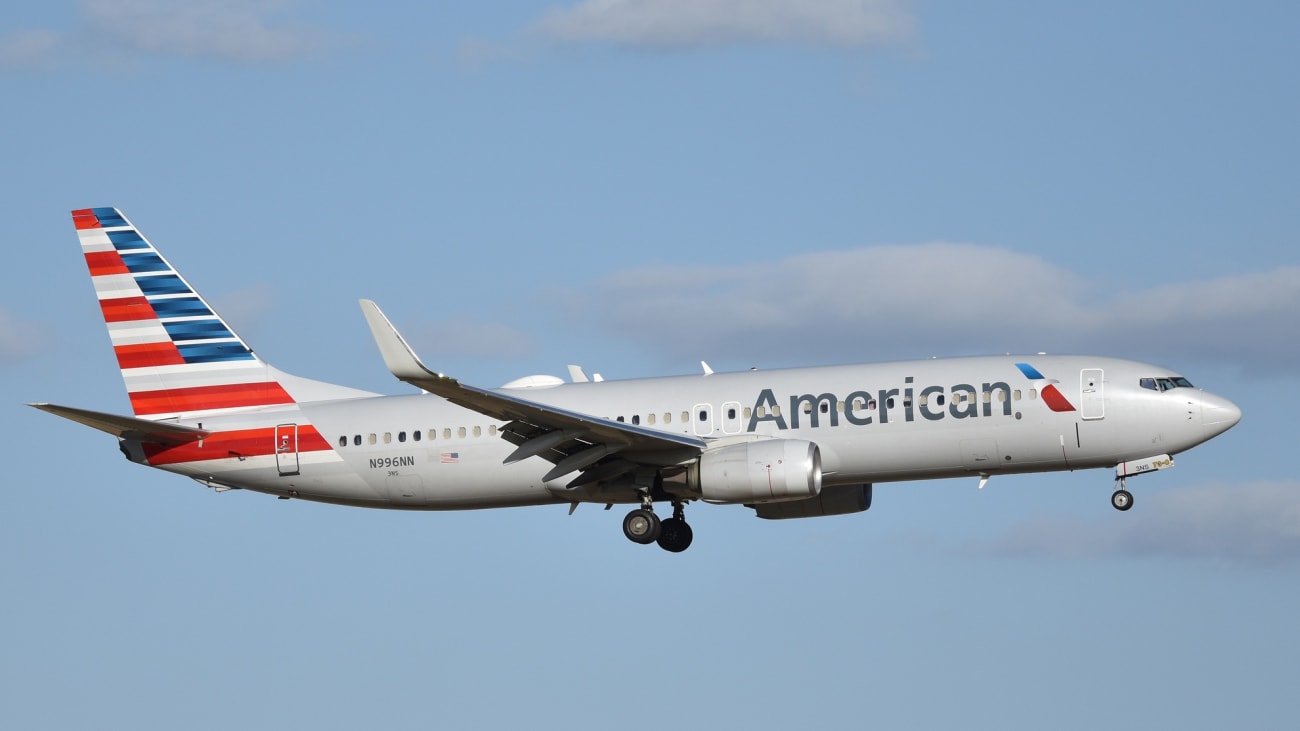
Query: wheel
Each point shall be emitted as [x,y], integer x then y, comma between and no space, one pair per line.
[675,535]
[641,526]
[1121,499]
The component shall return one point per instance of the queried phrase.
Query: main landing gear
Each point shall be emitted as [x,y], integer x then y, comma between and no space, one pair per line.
[672,534]
[1122,499]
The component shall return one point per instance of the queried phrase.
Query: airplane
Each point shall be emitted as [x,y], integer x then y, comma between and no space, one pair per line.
[790,443]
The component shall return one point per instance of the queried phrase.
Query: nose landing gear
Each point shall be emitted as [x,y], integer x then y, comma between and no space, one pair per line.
[1121,499]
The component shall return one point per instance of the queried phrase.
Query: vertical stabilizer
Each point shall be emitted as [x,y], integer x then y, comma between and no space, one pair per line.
[177,356]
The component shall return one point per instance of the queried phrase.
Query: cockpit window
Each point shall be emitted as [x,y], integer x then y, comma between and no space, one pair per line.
[1165,384]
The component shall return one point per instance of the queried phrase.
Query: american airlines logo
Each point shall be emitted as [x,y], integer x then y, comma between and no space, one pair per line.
[1051,395]
[932,403]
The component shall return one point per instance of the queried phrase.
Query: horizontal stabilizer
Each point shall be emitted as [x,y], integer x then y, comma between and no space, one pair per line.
[126,427]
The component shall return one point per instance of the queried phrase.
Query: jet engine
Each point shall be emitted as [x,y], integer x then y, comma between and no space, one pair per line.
[766,471]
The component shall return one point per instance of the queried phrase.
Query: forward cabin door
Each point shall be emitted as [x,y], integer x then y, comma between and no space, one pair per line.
[286,449]
[1092,394]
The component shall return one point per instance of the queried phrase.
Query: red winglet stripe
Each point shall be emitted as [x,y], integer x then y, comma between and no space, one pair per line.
[202,398]
[105,262]
[1054,400]
[127,309]
[85,218]
[144,355]
[232,445]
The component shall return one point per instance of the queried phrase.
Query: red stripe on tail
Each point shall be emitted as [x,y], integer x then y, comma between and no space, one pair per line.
[232,445]
[202,398]
[126,309]
[145,355]
[105,262]
[85,218]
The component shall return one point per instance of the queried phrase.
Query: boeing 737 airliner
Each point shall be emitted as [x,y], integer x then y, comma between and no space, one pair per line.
[793,443]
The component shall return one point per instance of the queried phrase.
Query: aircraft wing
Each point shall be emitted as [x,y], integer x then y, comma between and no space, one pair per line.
[572,440]
[126,427]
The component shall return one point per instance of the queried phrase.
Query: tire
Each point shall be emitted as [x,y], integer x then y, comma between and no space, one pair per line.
[675,535]
[642,526]
[1121,499]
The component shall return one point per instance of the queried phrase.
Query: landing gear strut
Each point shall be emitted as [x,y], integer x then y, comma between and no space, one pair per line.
[1122,499]
[672,534]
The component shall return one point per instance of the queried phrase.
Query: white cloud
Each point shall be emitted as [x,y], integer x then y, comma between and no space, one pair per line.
[699,23]
[237,30]
[19,339]
[113,31]
[885,302]
[27,49]
[1256,522]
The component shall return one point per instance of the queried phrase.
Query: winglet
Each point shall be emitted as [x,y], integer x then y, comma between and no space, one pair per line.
[398,355]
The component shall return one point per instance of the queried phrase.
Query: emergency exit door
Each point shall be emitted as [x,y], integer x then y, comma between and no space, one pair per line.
[286,449]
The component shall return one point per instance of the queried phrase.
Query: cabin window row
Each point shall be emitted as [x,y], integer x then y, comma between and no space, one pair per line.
[417,435]
[960,397]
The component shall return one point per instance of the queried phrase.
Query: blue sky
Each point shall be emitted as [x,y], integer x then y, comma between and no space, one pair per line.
[635,186]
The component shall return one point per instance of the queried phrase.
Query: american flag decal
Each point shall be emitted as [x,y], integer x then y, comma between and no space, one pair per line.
[449,458]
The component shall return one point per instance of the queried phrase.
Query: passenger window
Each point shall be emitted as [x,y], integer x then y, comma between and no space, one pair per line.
[826,407]
[357,440]
[668,417]
[478,431]
[492,430]
[388,437]
[636,419]
[446,433]
[686,417]
[460,432]
[415,435]
[731,413]
[401,436]
[371,439]
[1033,394]
[704,415]
[343,441]
[650,419]
[747,412]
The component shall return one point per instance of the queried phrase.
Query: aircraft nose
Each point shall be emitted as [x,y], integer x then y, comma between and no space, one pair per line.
[1219,413]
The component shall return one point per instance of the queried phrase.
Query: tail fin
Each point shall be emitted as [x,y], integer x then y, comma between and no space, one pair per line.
[178,357]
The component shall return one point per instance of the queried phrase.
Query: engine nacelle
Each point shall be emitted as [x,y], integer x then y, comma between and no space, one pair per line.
[835,500]
[766,471]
